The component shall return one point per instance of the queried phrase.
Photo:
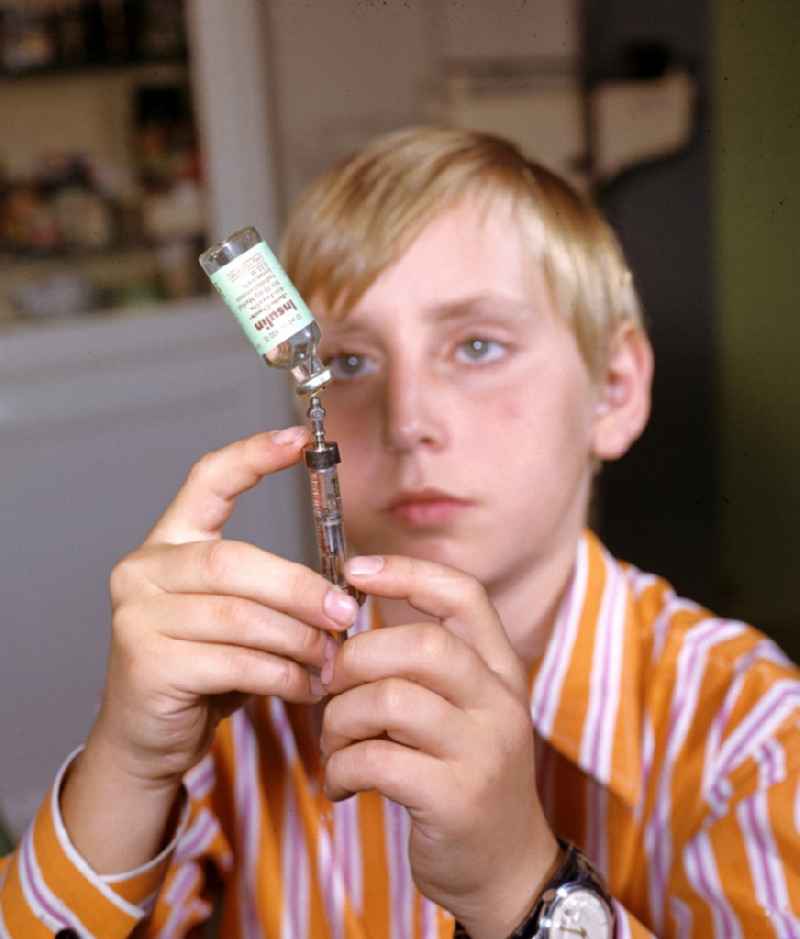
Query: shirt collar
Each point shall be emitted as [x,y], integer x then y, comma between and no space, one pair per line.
[585,688]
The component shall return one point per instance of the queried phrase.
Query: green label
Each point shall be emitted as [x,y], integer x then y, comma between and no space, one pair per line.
[262,298]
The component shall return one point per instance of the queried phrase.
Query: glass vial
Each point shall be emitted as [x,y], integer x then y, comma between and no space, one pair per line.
[271,312]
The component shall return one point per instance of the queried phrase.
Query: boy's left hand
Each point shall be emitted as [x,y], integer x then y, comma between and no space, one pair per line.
[435,716]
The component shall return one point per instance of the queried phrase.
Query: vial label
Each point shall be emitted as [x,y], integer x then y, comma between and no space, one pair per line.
[263,299]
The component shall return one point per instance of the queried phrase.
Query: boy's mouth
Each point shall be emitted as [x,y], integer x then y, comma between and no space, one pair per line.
[426,507]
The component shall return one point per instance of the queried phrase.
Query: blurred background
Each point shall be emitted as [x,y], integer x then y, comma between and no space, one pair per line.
[137,131]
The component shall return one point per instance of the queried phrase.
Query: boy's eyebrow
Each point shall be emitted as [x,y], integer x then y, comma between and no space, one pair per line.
[446,311]
[480,303]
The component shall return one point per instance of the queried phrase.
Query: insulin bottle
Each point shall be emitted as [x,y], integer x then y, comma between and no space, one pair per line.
[269,309]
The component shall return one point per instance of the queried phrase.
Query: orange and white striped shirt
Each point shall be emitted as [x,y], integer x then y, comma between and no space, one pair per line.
[668,748]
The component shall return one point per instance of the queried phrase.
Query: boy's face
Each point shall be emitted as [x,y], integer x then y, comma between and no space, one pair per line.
[461,405]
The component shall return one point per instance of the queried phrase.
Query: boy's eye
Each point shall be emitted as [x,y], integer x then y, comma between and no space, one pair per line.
[477,349]
[347,365]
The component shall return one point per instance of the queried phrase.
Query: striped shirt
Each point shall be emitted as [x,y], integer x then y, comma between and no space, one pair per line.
[667,747]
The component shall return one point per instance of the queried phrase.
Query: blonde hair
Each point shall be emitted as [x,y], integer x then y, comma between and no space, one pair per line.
[359,217]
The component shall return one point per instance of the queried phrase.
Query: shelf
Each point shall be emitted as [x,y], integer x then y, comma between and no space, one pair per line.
[11,260]
[90,68]
[116,282]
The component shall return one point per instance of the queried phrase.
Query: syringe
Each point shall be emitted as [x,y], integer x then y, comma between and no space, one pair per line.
[321,459]
[283,331]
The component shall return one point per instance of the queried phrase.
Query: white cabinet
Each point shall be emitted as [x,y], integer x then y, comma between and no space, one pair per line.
[98,425]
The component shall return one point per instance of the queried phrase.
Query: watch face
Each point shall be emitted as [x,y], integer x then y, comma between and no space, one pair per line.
[580,913]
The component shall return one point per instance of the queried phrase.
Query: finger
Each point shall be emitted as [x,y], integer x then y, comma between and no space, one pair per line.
[402,710]
[199,669]
[403,775]
[458,600]
[232,621]
[425,653]
[206,499]
[236,569]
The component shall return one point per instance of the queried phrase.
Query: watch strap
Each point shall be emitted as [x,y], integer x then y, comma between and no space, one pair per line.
[575,868]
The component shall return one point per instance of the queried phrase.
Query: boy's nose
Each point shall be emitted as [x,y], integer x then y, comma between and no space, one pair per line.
[412,417]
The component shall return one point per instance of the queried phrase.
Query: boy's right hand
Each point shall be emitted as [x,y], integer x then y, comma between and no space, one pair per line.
[200,623]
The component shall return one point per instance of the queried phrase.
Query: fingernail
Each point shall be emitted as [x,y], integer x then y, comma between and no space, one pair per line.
[315,684]
[366,564]
[340,607]
[327,668]
[289,435]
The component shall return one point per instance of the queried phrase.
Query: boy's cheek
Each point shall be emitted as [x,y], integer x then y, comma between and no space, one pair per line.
[507,408]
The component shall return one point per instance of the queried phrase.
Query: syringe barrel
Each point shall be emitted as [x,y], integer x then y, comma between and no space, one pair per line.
[326,503]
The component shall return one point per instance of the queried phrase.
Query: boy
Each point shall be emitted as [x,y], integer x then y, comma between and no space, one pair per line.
[488,354]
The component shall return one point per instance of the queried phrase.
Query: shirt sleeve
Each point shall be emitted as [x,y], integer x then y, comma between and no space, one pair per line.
[47,886]
[739,874]
[745,863]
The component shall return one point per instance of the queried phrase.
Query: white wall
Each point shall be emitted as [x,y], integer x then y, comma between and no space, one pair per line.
[546,29]
[346,70]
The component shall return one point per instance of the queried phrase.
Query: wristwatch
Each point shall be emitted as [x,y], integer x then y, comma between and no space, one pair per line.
[574,904]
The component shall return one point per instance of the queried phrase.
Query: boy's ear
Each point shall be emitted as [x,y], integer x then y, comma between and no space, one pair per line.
[623,394]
